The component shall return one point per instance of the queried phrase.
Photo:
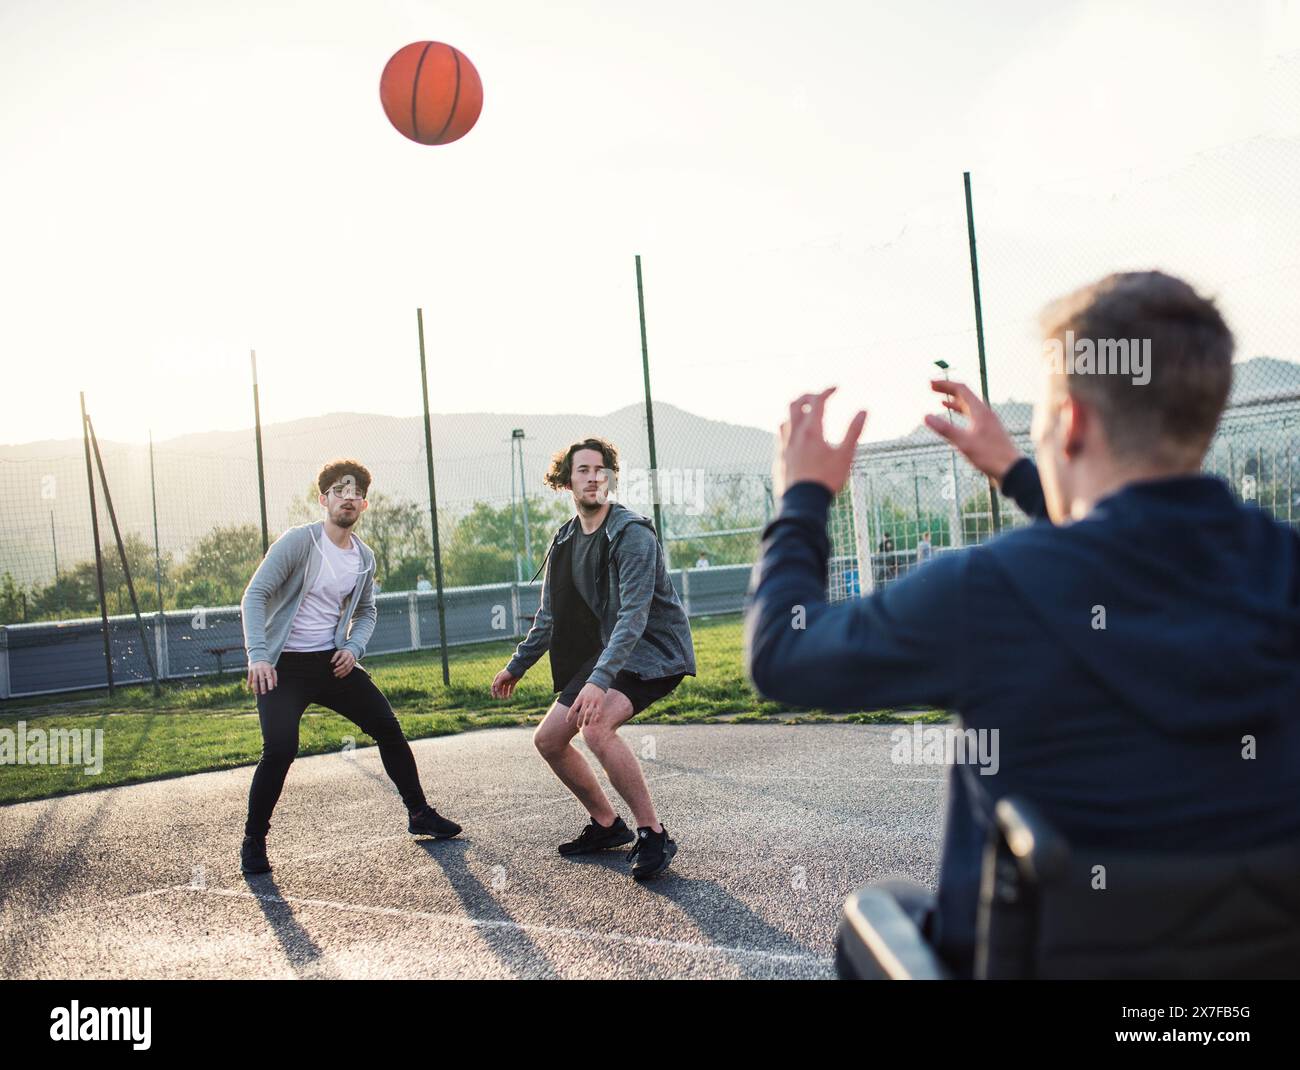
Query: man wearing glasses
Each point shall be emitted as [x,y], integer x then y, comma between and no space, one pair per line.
[308,613]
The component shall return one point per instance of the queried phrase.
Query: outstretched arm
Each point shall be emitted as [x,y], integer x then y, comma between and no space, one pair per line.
[879,651]
[890,649]
[985,443]
[1022,485]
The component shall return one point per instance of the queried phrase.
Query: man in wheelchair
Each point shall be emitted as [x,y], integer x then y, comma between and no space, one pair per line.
[1136,651]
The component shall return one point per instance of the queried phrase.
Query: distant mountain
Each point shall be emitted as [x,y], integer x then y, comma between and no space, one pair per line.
[1253,381]
[210,478]
[1262,378]
[1015,416]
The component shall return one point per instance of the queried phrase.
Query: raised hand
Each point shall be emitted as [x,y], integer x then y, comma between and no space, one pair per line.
[804,453]
[984,441]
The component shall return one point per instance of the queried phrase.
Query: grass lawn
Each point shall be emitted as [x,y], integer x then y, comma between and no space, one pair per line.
[194,727]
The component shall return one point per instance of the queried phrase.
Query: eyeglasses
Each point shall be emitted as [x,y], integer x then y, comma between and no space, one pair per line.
[347,490]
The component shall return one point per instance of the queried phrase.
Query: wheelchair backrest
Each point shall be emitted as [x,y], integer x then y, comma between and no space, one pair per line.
[1053,909]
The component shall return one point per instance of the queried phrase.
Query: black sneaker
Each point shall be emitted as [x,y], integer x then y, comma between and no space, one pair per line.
[428,822]
[252,855]
[652,853]
[596,837]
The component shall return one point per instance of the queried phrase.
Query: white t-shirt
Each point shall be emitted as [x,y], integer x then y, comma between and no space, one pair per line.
[318,616]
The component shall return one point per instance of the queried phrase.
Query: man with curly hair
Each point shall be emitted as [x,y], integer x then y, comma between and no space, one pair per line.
[619,640]
[308,613]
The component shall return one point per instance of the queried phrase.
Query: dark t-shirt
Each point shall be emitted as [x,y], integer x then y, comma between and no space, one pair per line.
[586,561]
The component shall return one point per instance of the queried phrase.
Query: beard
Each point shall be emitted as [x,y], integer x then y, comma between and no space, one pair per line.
[345,519]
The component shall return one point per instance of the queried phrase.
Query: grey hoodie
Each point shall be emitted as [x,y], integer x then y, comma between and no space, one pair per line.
[282,580]
[643,627]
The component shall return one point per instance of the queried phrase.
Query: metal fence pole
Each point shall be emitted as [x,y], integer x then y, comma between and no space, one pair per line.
[54,542]
[514,517]
[649,406]
[517,439]
[433,501]
[261,476]
[99,557]
[994,509]
[160,629]
[4,661]
[126,567]
[413,618]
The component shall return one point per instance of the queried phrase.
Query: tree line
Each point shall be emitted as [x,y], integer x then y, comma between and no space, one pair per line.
[480,548]
[215,570]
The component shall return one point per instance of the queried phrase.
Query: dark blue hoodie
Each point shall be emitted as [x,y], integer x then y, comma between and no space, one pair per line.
[1130,735]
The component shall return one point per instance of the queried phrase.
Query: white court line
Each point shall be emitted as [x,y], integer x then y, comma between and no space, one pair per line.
[826,779]
[529,814]
[42,916]
[483,923]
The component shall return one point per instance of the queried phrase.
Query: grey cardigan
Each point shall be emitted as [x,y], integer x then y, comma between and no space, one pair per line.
[282,580]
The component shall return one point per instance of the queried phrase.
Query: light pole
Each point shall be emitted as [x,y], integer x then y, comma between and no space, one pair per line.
[517,441]
[955,536]
[514,519]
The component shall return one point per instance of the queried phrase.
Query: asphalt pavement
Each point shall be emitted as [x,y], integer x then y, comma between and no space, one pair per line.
[775,824]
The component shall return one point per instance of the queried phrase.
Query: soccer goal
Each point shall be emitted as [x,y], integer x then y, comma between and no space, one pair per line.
[851,568]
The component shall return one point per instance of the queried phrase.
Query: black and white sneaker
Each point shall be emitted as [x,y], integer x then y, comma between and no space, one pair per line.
[252,855]
[596,837]
[652,853]
[428,822]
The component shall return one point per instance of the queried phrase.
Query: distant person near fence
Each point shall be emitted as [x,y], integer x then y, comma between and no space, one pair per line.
[924,549]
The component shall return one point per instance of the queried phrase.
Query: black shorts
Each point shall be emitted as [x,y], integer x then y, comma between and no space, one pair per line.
[640,692]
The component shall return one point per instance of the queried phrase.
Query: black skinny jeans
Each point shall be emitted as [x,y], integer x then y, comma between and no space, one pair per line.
[306,678]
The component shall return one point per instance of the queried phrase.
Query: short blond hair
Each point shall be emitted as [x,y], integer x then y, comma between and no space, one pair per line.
[1176,412]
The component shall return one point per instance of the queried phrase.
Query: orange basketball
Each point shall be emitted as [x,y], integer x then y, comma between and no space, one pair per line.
[431,92]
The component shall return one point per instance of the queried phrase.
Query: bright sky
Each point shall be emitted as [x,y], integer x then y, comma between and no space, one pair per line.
[184,181]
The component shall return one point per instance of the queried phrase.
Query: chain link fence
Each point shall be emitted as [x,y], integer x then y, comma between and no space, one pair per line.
[189,512]
[1223,219]
[189,517]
